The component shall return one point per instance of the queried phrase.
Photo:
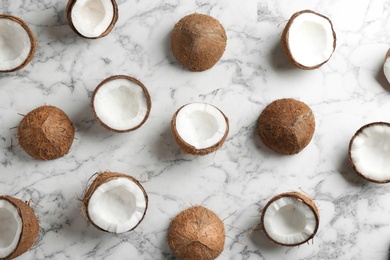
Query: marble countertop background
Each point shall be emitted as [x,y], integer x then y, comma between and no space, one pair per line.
[235,182]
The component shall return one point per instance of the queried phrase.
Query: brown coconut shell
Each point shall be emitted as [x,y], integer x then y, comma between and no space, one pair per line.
[69,8]
[30,227]
[31,36]
[286,126]
[196,233]
[198,41]
[350,154]
[190,149]
[46,133]
[103,177]
[304,199]
[139,83]
[285,40]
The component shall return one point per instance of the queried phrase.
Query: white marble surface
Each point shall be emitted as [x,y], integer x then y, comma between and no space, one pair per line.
[346,93]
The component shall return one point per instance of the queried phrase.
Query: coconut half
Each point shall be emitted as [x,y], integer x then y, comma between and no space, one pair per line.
[308,40]
[17,43]
[386,66]
[46,133]
[115,202]
[19,227]
[286,126]
[92,18]
[198,41]
[121,103]
[290,219]
[199,128]
[196,233]
[369,152]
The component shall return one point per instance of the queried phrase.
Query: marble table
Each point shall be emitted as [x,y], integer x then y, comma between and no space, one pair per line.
[236,181]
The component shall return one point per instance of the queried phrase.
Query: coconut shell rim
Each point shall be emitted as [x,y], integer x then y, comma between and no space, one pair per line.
[134,80]
[190,149]
[31,36]
[105,177]
[15,253]
[359,131]
[285,37]
[304,199]
[69,8]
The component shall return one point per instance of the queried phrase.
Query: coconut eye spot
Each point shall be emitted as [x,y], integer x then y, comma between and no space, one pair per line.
[92,17]
[10,228]
[370,152]
[311,39]
[15,44]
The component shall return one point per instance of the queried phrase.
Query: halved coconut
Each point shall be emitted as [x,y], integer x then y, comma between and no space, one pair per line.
[121,103]
[369,152]
[286,126]
[19,227]
[115,202]
[386,66]
[308,40]
[199,128]
[290,219]
[17,43]
[198,41]
[92,18]
[196,233]
[46,133]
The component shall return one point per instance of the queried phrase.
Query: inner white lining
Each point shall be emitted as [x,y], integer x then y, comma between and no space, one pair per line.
[91,18]
[10,228]
[15,44]
[121,104]
[200,125]
[117,206]
[289,221]
[370,152]
[310,39]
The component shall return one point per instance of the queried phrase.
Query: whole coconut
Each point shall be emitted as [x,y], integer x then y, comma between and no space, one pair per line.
[198,41]
[46,133]
[196,233]
[286,126]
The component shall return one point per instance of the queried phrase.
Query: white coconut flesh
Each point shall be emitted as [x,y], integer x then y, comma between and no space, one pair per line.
[121,104]
[289,221]
[117,205]
[15,44]
[10,228]
[200,125]
[310,39]
[91,18]
[386,66]
[370,152]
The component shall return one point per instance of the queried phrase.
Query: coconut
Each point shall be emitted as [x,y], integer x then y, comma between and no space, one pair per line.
[198,41]
[386,66]
[196,233]
[46,133]
[199,128]
[92,18]
[115,202]
[121,103]
[19,227]
[308,40]
[18,43]
[369,151]
[290,219]
[286,126]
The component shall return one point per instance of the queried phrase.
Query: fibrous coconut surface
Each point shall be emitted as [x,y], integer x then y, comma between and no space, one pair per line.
[46,133]
[290,219]
[286,126]
[308,40]
[196,233]
[199,128]
[115,202]
[17,45]
[198,41]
